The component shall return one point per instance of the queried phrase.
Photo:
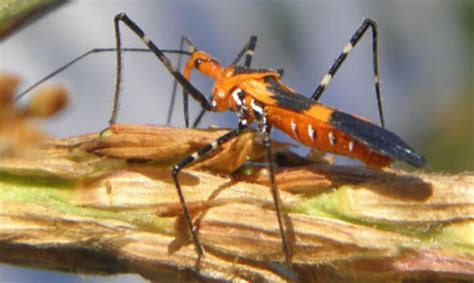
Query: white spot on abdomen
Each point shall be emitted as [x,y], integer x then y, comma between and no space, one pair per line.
[293,127]
[311,132]
[332,138]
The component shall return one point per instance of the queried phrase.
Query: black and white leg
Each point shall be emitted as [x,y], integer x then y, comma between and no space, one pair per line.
[189,160]
[195,93]
[265,130]
[366,24]
[248,50]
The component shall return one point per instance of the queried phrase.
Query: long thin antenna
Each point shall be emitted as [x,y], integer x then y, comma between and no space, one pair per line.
[92,51]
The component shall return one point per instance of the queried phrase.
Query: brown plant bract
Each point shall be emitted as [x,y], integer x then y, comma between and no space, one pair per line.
[106,204]
[17,132]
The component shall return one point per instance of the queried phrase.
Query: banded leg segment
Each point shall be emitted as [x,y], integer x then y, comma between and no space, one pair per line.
[265,130]
[193,91]
[366,24]
[189,160]
[249,51]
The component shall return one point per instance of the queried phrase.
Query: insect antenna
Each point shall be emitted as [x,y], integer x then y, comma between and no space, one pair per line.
[84,55]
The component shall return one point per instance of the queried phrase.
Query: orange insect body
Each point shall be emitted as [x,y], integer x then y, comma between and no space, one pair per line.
[327,138]
[305,120]
[260,95]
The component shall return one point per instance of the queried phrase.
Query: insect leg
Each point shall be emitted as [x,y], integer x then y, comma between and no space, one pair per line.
[75,60]
[199,118]
[195,93]
[265,130]
[191,49]
[192,158]
[248,50]
[175,86]
[366,24]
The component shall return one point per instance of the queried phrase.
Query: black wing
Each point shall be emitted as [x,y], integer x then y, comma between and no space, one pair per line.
[287,98]
[376,138]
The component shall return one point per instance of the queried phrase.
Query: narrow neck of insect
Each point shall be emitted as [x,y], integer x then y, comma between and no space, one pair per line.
[209,68]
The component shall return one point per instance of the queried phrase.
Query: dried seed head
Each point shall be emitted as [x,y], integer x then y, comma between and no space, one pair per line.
[8,85]
[48,101]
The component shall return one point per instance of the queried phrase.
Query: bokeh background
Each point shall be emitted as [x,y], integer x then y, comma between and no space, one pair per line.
[425,53]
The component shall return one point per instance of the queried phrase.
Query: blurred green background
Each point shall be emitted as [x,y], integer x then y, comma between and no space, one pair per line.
[450,147]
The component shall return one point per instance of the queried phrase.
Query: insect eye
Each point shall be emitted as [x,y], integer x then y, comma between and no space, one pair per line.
[197,63]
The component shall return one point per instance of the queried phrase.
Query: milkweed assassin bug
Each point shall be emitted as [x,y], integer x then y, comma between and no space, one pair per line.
[259,95]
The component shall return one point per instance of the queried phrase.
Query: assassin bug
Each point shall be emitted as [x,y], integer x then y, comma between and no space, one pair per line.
[260,95]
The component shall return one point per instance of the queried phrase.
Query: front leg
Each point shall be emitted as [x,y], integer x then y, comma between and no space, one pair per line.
[188,86]
[191,159]
[265,130]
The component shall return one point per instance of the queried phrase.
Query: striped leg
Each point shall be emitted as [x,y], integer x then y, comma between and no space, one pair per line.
[265,130]
[192,158]
[248,50]
[195,93]
[352,43]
